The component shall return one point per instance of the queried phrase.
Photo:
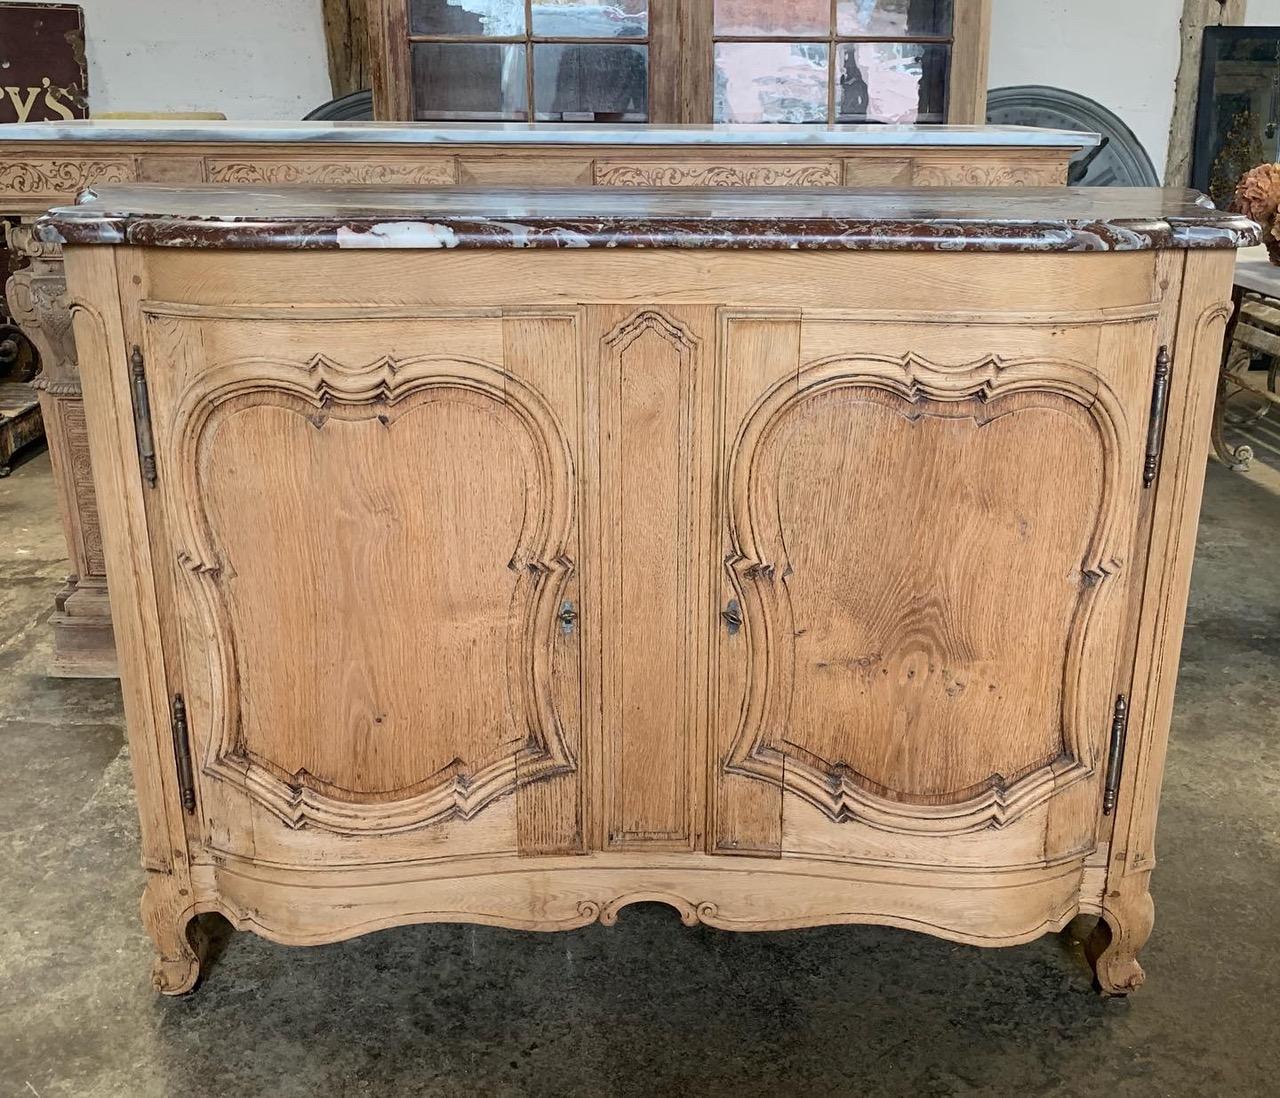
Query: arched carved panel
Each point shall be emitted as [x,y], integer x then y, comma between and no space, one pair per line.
[649,376]
[908,539]
[424,507]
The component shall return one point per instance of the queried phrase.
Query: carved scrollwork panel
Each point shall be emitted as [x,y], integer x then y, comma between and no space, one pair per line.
[397,672]
[963,173]
[772,173]
[61,179]
[420,172]
[890,521]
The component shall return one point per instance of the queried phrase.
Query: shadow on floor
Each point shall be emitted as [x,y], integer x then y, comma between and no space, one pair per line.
[648,1007]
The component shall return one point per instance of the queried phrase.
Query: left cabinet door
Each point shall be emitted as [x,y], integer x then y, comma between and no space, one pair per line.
[372,531]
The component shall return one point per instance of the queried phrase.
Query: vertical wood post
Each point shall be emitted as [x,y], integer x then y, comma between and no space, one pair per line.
[346,36]
[1196,15]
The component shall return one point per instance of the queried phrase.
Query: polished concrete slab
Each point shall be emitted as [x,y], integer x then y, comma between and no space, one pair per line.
[648,1007]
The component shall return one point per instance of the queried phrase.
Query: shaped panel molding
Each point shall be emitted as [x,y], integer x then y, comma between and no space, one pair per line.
[892,525]
[428,512]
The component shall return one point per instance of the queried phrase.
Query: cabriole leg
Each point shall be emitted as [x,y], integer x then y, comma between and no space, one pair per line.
[179,944]
[1113,947]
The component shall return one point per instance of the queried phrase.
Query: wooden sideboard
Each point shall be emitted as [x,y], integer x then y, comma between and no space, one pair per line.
[45,165]
[515,557]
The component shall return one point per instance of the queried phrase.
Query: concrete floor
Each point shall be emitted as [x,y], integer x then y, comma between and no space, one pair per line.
[648,1007]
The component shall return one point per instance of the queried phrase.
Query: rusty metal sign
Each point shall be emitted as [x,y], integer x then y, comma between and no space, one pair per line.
[43,74]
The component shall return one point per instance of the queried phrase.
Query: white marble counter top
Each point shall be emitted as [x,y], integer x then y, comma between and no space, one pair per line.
[420,133]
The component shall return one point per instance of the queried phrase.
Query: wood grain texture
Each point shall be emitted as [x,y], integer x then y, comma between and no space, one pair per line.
[344,728]
[32,180]
[346,37]
[389,69]
[889,696]
[970,62]
[651,368]
[167,897]
[760,351]
[1128,911]
[384,478]
[981,908]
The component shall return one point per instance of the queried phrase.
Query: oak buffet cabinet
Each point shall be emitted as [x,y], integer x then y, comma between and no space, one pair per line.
[516,556]
[48,164]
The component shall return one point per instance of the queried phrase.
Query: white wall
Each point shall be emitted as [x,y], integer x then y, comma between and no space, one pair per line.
[1123,53]
[246,58]
[266,58]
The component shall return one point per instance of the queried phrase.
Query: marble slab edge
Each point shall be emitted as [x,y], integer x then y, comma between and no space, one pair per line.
[733,234]
[842,137]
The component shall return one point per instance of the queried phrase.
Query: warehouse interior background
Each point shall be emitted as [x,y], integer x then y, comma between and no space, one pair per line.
[647,1007]
[187,55]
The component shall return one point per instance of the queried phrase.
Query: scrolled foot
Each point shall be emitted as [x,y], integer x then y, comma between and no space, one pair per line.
[178,939]
[1113,947]
[175,976]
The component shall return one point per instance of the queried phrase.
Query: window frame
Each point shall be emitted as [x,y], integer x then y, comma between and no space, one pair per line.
[681,46]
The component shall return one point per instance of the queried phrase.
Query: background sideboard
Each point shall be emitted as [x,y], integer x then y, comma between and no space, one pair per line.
[38,174]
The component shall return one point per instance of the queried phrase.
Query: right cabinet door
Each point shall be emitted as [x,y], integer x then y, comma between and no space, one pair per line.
[929,535]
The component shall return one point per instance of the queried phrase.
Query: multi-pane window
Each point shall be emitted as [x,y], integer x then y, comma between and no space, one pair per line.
[512,60]
[670,61]
[832,60]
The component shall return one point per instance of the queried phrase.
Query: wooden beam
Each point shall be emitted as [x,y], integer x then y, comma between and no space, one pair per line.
[346,35]
[1196,15]
[970,57]
[389,62]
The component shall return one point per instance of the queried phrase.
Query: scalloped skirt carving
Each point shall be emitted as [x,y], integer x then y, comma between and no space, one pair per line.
[314,906]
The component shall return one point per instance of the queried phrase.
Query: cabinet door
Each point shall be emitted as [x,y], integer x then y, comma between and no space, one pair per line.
[928,534]
[374,526]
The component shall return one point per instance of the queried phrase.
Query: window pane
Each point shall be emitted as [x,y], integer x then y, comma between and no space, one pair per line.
[891,82]
[468,80]
[591,18]
[772,18]
[896,18]
[575,82]
[466,17]
[771,82]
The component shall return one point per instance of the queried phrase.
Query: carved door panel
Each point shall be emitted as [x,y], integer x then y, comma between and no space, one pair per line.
[374,527]
[649,388]
[928,533]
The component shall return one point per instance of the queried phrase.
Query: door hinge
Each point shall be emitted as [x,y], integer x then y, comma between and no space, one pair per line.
[142,416]
[1115,758]
[182,753]
[1155,426]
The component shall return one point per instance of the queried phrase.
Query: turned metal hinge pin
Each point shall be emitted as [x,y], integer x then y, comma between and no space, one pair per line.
[182,753]
[1115,759]
[142,416]
[1155,426]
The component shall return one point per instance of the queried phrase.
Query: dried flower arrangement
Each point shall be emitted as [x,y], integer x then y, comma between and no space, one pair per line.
[1258,197]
